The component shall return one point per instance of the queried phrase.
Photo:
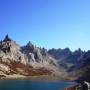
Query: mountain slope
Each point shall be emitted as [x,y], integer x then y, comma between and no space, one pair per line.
[65,57]
[30,60]
[26,60]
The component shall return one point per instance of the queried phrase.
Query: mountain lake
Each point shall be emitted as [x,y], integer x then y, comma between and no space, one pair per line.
[34,85]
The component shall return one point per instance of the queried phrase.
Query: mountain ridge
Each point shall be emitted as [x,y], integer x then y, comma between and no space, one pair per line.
[16,58]
[30,60]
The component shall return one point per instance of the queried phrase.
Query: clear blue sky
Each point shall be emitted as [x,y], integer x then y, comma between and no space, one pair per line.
[48,23]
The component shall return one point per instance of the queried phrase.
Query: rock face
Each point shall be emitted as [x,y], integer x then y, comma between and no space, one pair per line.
[9,49]
[38,57]
[60,54]
[31,60]
[83,67]
[28,54]
[26,59]
[66,57]
[76,63]
[66,54]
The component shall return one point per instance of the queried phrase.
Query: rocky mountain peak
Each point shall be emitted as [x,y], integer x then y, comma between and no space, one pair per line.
[8,45]
[7,38]
[11,50]
[19,58]
[60,53]
[79,51]
[29,44]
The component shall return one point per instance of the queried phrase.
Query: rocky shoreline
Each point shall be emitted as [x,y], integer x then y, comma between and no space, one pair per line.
[40,77]
[76,87]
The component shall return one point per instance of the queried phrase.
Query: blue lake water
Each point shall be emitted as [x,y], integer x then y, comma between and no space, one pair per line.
[33,85]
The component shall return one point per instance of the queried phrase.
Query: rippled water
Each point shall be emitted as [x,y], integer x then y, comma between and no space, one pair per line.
[33,85]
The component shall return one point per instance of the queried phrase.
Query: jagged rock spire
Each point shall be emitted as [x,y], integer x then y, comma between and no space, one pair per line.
[7,38]
[29,44]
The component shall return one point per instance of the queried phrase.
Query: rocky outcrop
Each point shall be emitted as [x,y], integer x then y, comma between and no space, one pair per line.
[38,57]
[32,60]
[66,58]
[76,63]
[81,70]
[60,54]
[26,60]
[83,67]
[66,54]
[10,50]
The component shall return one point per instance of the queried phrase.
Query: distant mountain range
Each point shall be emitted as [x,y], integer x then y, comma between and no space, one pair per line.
[76,64]
[30,60]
